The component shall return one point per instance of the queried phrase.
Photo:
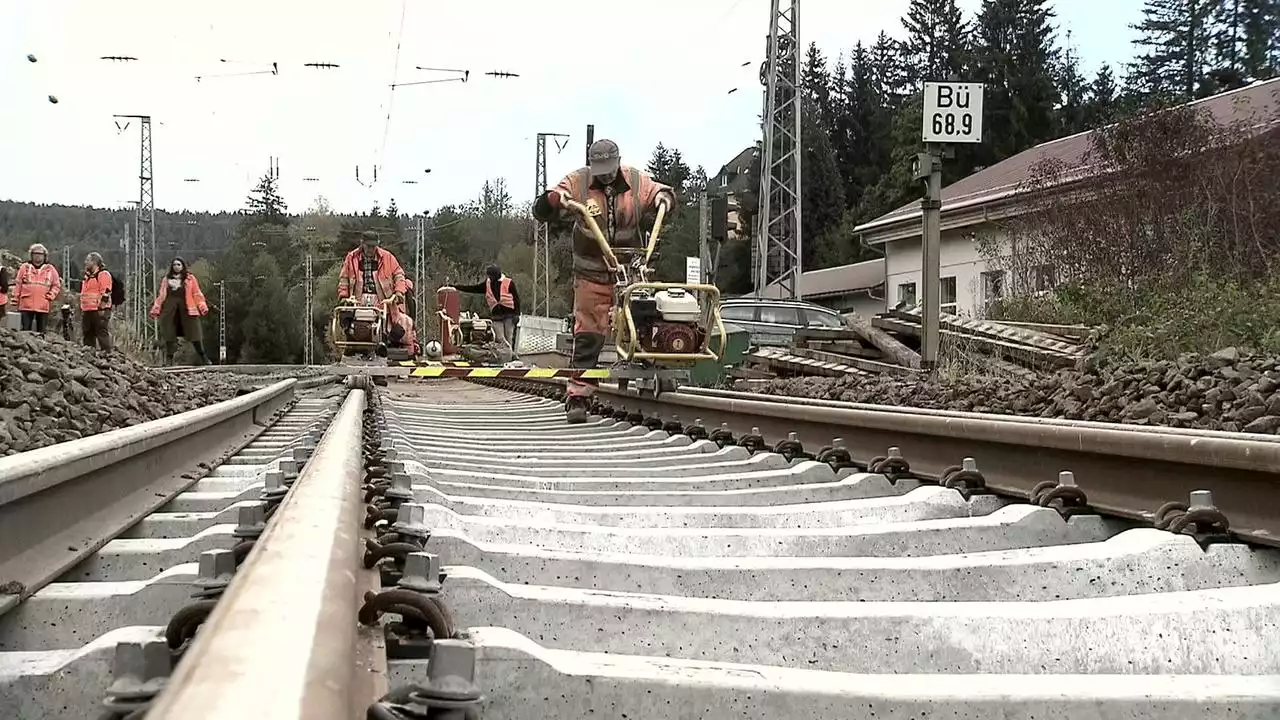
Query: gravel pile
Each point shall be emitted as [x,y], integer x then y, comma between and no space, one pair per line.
[52,391]
[1229,390]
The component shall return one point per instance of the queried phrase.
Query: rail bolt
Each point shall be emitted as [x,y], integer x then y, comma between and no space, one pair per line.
[673,426]
[836,455]
[140,671]
[273,487]
[217,567]
[752,441]
[422,573]
[966,479]
[1200,517]
[289,468]
[791,448]
[722,436]
[251,520]
[401,489]
[1064,495]
[893,466]
[697,430]
[411,521]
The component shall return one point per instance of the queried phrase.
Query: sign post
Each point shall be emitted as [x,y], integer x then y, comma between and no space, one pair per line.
[693,270]
[952,114]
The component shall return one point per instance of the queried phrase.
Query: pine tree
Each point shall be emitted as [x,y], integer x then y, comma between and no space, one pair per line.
[888,70]
[1244,36]
[1177,36]
[823,194]
[1016,58]
[865,143]
[1074,91]
[270,329]
[937,43]
[265,204]
[1101,99]
[817,87]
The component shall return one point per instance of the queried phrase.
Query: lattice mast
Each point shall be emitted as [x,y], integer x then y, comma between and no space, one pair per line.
[541,234]
[778,243]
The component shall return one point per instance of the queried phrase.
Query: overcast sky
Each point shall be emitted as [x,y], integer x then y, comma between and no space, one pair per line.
[659,71]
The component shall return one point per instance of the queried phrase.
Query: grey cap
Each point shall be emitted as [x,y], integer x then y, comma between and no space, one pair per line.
[603,157]
[369,237]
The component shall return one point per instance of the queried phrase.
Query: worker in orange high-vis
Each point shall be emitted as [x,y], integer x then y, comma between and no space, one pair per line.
[370,275]
[619,197]
[179,306]
[6,280]
[503,301]
[95,303]
[37,286]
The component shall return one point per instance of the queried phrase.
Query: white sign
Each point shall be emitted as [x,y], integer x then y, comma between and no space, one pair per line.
[693,270]
[952,112]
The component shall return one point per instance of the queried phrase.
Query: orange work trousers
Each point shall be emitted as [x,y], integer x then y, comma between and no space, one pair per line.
[592,303]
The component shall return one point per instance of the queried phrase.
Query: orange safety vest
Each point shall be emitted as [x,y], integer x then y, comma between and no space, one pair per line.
[4,288]
[37,288]
[504,297]
[95,292]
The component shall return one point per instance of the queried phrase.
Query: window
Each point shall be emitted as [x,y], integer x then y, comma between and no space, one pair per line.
[742,313]
[947,294]
[907,293]
[817,318]
[1043,278]
[992,285]
[724,180]
[779,314]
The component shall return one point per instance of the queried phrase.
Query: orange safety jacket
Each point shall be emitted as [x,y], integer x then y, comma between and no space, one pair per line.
[504,297]
[95,292]
[388,277]
[635,194]
[194,298]
[37,287]
[4,288]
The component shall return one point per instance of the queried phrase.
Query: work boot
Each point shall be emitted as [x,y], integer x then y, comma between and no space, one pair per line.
[575,410]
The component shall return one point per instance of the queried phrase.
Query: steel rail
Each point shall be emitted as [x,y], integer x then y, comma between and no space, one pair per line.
[1055,422]
[1126,471]
[61,503]
[282,641]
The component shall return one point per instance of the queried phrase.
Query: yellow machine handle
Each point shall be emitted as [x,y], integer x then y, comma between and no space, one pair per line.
[653,236]
[609,258]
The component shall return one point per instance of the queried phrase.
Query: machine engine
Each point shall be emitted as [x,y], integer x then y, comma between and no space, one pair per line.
[476,330]
[667,321]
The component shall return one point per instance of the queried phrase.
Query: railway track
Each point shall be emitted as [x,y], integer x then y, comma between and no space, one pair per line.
[615,570]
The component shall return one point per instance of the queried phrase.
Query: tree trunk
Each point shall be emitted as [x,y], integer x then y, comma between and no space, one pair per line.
[894,350]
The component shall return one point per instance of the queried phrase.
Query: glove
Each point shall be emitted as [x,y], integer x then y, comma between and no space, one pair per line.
[155,314]
[558,198]
[663,202]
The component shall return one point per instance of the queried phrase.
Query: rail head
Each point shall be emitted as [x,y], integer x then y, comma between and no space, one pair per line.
[37,470]
[279,642]
[1208,448]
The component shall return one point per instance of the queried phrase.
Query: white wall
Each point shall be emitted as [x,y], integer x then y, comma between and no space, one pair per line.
[960,259]
[859,303]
